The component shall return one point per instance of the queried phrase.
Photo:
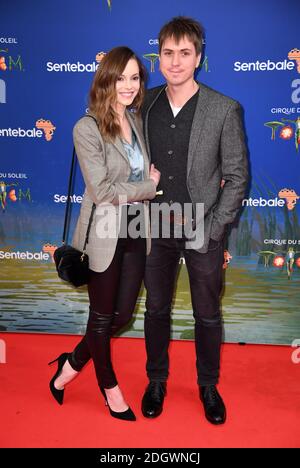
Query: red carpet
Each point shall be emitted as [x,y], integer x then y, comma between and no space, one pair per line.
[260,386]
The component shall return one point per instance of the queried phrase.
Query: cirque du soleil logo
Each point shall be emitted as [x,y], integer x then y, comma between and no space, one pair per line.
[288,128]
[9,63]
[12,194]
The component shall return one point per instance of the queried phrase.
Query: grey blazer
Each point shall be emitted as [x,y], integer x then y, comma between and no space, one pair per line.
[106,169]
[216,151]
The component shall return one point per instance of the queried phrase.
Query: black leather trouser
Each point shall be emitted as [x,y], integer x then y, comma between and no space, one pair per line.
[206,280]
[113,294]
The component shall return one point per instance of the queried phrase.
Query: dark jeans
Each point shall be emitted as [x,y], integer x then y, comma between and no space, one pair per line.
[206,278]
[113,294]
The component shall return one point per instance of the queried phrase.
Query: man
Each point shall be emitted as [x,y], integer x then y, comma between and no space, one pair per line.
[195,139]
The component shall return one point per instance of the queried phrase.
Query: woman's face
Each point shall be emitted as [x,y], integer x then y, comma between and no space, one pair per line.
[127,85]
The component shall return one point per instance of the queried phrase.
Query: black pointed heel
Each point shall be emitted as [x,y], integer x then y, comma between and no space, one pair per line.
[127,415]
[58,394]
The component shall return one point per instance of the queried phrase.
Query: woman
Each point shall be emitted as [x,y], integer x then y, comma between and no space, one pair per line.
[115,168]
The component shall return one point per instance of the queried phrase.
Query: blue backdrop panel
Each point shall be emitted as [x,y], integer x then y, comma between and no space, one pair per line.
[48,55]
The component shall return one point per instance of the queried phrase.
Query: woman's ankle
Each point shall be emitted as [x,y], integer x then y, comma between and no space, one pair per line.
[66,376]
[115,398]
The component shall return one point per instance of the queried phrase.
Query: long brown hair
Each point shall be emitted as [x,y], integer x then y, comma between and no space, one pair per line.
[103,90]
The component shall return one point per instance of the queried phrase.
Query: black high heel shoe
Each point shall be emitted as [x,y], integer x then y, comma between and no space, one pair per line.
[58,394]
[127,415]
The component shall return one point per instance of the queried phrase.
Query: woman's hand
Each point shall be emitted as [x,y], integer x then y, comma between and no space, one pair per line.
[154,175]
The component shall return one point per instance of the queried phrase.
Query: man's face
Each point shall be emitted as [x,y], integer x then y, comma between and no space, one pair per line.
[178,61]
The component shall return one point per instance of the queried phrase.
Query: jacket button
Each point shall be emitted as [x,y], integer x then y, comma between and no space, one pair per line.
[173,126]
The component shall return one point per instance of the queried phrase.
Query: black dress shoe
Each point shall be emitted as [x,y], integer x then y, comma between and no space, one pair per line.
[58,394]
[153,399]
[214,407]
[127,415]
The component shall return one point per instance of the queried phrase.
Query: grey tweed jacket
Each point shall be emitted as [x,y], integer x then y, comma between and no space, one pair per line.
[216,151]
[105,168]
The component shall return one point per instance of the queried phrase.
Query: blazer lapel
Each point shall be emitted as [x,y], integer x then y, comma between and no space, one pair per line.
[117,143]
[197,125]
[141,141]
[119,146]
[146,120]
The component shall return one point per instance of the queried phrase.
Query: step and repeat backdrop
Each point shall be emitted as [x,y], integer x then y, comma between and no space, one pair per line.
[49,52]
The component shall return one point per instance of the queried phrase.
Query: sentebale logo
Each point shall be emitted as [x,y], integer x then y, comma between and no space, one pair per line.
[286,196]
[50,249]
[47,127]
[290,197]
[264,66]
[76,67]
[294,54]
[100,56]
[43,127]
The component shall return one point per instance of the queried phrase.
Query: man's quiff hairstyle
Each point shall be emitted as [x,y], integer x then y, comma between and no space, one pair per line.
[180,27]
